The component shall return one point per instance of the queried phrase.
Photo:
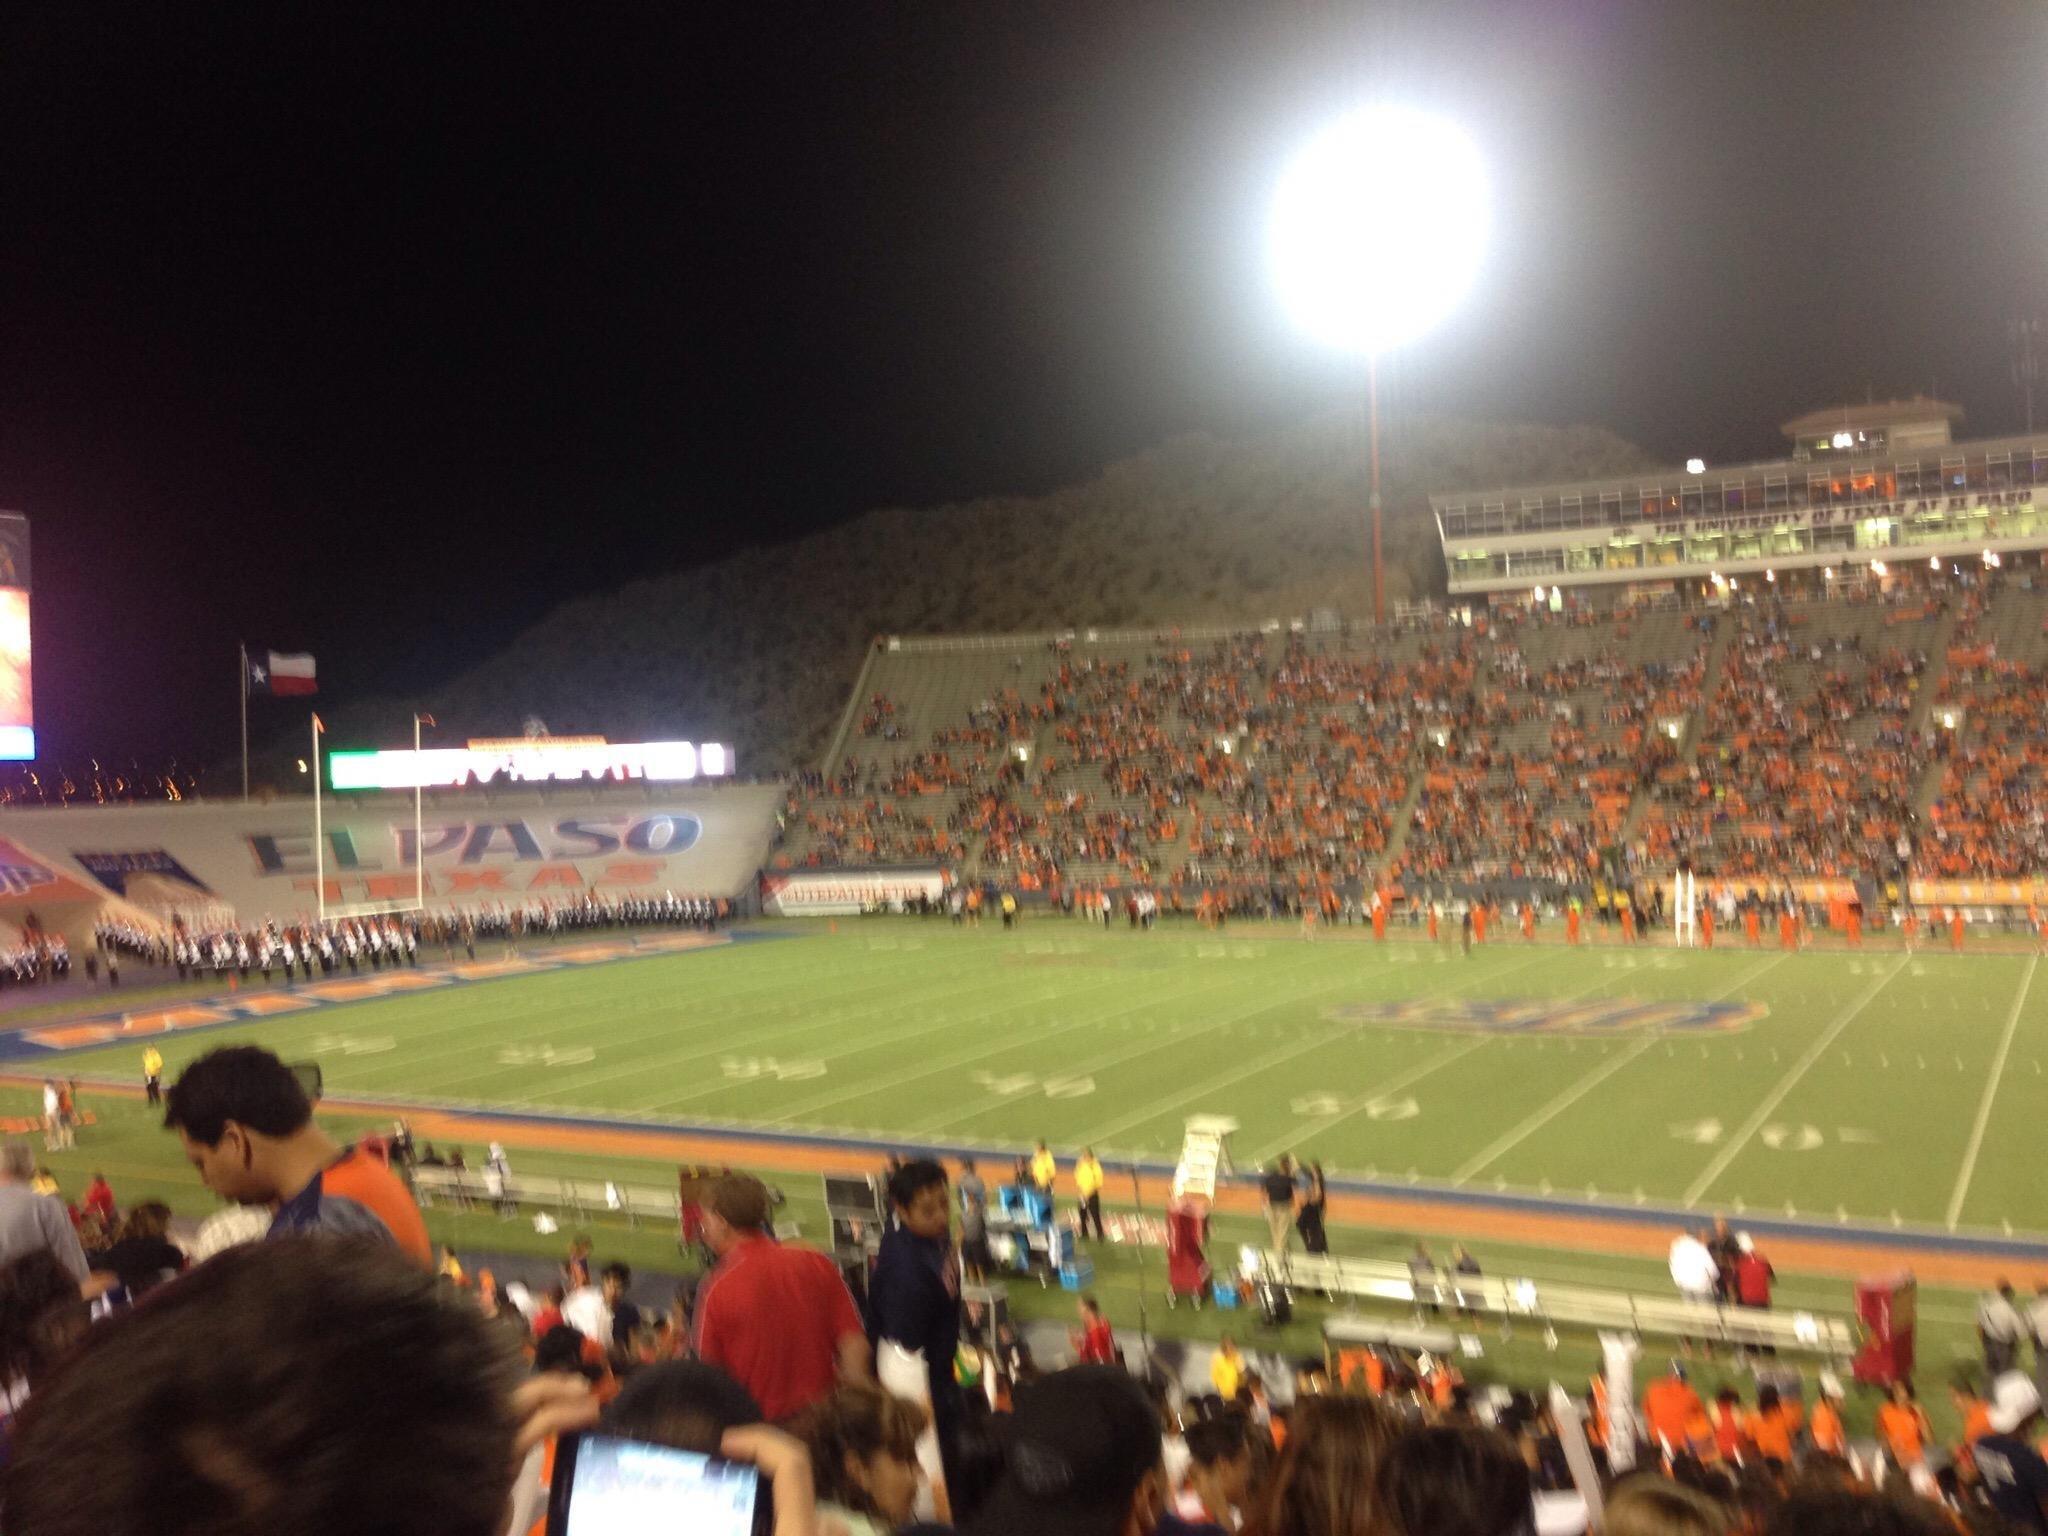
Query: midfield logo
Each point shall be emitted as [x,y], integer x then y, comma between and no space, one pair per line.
[1521,1016]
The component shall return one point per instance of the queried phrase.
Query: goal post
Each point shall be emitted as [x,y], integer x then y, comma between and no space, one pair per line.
[1685,908]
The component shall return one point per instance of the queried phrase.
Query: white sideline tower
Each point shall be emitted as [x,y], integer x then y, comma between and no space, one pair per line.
[1204,1152]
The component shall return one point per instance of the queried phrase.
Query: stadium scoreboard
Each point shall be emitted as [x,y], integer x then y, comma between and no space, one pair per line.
[17,694]
[540,760]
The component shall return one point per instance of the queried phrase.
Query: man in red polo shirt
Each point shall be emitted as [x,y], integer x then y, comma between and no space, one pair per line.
[775,1317]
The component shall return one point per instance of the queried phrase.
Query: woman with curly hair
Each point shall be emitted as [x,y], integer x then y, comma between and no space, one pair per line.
[863,1445]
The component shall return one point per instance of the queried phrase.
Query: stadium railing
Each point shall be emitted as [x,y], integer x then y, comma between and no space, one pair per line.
[473,1186]
[468,1187]
[1789,1332]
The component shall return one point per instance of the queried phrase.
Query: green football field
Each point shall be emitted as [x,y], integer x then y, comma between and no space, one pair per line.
[1878,1088]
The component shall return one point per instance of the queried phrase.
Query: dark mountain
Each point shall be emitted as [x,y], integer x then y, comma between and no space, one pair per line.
[760,649]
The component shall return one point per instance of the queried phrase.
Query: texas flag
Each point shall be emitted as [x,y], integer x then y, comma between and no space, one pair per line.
[277,672]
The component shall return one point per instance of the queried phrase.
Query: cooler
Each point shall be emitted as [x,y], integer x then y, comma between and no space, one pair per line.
[1187,1265]
[1887,1305]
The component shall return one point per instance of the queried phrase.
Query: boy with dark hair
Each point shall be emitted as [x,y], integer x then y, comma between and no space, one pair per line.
[1219,1473]
[247,1126]
[914,1297]
[1084,1460]
[316,1387]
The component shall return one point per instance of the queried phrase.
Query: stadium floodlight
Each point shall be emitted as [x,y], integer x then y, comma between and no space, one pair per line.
[1378,226]
[1376,233]
[1695,466]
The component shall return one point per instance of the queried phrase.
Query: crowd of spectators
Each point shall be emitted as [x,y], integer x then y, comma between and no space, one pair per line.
[1290,770]
[1804,766]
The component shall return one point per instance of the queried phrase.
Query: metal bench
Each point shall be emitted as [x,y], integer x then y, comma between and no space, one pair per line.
[472,1187]
[638,1203]
[1790,1332]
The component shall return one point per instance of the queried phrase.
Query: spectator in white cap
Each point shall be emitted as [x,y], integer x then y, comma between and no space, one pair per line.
[2014,1477]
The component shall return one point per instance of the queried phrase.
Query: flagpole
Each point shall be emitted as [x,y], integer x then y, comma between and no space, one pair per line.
[419,851]
[319,837]
[245,723]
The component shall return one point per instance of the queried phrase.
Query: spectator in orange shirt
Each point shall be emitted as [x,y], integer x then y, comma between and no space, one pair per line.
[1829,1437]
[247,1126]
[1670,1406]
[1974,1412]
[1902,1426]
[1771,1426]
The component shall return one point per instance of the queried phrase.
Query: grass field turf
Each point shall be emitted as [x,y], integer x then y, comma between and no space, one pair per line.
[1872,1088]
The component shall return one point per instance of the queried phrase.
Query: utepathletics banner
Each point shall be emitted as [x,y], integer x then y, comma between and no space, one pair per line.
[842,893]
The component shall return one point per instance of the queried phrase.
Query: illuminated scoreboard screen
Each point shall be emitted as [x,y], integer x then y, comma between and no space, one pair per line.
[17,693]
[549,759]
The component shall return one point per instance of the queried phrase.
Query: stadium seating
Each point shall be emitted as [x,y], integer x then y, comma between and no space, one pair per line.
[1768,740]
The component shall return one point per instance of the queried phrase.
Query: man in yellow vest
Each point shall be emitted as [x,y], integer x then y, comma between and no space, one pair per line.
[153,1074]
[1044,1167]
[1088,1185]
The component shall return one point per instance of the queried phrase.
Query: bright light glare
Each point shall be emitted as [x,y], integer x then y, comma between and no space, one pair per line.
[1378,227]
[1695,466]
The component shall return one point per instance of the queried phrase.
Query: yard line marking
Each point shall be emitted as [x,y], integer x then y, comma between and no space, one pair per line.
[1242,1071]
[547,1012]
[2012,1024]
[1778,1095]
[1585,1085]
[875,1082]
[1408,1079]
[1381,1090]
[870,1042]
[686,1028]
[991,1101]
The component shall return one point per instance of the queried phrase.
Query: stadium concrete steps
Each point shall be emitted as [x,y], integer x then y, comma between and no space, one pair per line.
[1931,680]
[1726,626]
[1925,697]
[1404,813]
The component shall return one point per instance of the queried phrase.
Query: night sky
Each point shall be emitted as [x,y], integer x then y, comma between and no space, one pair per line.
[374,330]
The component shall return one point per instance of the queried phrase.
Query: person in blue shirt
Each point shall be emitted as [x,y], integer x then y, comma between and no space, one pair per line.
[2013,1475]
[914,1292]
